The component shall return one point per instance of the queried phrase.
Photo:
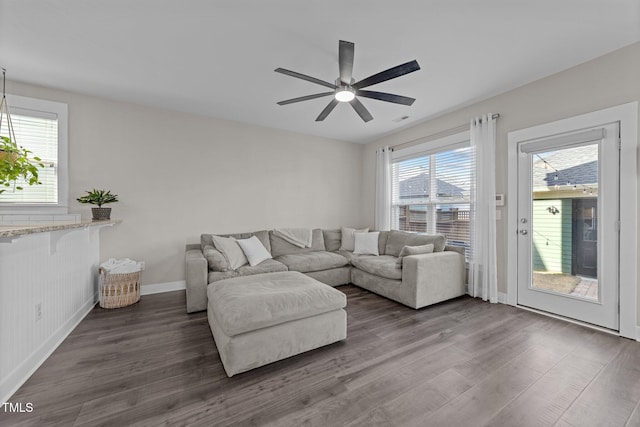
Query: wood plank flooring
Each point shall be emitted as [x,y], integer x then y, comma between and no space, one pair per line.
[459,363]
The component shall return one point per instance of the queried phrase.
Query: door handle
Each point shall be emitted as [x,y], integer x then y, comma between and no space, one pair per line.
[523,232]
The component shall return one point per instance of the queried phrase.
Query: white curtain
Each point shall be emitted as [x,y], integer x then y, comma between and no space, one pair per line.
[482,266]
[383,189]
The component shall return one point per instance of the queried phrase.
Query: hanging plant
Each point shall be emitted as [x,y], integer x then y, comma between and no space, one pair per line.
[17,166]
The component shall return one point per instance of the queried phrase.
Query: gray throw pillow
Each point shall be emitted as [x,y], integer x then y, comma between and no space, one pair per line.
[231,250]
[217,261]
[332,239]
[398,239]
[413,250]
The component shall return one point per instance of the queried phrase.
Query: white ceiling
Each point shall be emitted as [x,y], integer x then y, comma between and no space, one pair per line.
[216,57]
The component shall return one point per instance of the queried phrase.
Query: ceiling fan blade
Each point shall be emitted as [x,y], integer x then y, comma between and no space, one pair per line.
[329,108]
[388,97]
[304,77]
[345,61]
[305,98]
[361,110]
[391,73]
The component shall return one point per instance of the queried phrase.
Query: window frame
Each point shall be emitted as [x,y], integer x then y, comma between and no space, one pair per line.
[61,111]
[430,147]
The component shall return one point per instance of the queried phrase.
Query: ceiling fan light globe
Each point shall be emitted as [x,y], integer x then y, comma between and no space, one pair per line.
[345,95]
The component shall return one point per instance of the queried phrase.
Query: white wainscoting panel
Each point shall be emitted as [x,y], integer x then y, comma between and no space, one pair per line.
[48,283]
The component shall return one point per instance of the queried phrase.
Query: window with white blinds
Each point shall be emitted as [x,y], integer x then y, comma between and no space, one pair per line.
[432,192]
[40,136]
[36,124]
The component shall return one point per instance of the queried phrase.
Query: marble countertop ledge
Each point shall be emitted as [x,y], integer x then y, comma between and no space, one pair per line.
[21,230]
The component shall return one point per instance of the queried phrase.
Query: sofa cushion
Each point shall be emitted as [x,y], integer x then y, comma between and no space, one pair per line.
[332,239]
[246,304]
[413,250]
[267,266]
[279,246]
[312,261]
[399,239]
[383,266]
[348,255]
[382,242]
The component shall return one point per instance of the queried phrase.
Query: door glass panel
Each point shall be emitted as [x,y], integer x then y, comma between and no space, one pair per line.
[564,221]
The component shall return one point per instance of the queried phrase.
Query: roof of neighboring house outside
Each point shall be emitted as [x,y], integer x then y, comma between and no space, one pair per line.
[572,166]
[418,187]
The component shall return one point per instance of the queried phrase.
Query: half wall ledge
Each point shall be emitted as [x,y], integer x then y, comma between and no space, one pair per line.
[11,232]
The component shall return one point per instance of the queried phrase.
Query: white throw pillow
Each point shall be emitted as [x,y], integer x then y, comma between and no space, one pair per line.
[231,251]
[366,243]
[349,239]
[254,250]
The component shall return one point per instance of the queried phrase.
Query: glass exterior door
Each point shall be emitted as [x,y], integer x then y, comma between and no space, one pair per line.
[568,240]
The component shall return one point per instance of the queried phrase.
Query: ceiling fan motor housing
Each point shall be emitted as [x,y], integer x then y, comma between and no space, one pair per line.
[344,93]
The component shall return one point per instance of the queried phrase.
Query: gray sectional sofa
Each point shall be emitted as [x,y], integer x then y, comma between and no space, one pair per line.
[422,280]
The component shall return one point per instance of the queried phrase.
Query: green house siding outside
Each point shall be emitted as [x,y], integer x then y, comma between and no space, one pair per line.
[552,235]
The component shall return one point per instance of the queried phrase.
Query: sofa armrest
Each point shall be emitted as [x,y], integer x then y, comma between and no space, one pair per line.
[434,277]
[196,269]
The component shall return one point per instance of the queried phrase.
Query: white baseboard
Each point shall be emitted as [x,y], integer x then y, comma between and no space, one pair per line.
[637,333]
[502,297]
[158,288]
[20,375]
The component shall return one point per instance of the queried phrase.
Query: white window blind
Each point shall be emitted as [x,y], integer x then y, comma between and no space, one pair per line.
[432,193]
[42,127]
[36,131]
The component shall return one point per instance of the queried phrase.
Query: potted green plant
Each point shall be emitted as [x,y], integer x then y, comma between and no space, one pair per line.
[16,164]
[99,197]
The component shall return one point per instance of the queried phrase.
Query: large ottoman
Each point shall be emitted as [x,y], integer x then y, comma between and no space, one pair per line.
[259,319]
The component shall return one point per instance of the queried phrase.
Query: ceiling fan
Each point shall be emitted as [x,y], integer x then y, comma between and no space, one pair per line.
[346,89]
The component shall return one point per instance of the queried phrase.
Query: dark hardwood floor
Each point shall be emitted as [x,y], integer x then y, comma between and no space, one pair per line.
[458,363]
